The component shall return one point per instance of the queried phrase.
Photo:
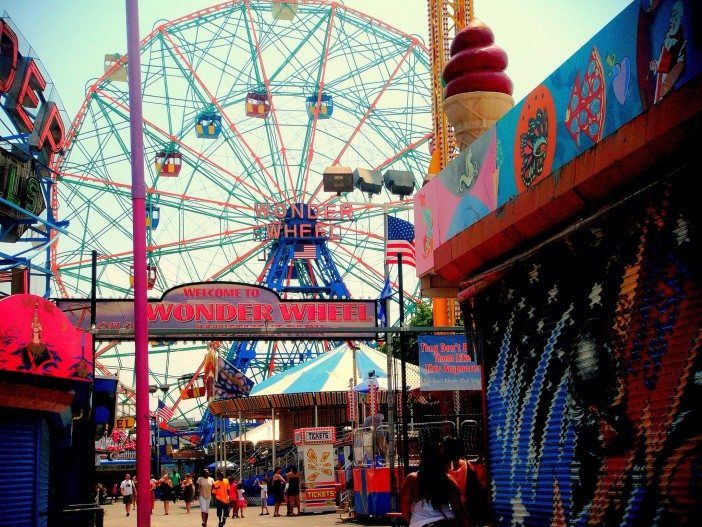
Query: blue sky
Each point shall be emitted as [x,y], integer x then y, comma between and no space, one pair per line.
[72,36]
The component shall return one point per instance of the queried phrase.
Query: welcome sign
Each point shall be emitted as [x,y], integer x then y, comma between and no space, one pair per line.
[229,306]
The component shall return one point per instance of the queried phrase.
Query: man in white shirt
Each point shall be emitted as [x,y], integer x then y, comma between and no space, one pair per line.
[126,489]
[204,483]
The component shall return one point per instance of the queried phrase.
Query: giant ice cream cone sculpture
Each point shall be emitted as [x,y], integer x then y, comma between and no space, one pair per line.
[478,91]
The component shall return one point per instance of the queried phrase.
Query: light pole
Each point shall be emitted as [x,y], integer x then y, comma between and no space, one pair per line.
[402,184]
[141,331]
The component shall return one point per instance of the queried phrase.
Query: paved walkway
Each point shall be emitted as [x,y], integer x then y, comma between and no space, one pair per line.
[115,517]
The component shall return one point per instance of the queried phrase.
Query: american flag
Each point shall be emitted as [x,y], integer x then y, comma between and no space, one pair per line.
[163,413]
[305,251]
[400,240]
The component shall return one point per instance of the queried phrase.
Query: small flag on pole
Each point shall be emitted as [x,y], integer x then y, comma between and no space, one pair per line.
[163,413]
[400,240]
[384,295]
[305,251]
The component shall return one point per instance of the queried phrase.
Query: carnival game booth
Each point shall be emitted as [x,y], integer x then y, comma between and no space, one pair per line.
[47,429]
[570,232]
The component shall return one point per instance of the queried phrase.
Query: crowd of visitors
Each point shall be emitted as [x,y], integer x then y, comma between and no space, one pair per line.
[446,491]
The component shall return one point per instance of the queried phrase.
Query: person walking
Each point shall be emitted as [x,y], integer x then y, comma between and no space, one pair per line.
[458,467]
[293,491]
[471,481]
[136,492]
[240,498]
[429,496]
[277,489]
[176,479]
[126,490]
[152,489]
[204,486]
[233,497]
[165,485]
[220,490]
[263,485]
[187,491]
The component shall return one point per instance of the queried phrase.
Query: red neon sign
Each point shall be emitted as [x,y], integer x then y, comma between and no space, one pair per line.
[8,56]
[23,84]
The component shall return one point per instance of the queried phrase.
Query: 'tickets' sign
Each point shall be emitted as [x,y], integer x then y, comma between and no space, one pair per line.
[318,435]
[446,364]
[229,306]
[36,338]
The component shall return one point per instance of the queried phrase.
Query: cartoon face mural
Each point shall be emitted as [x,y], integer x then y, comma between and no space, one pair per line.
[593,354]
[535,141]
[662,44]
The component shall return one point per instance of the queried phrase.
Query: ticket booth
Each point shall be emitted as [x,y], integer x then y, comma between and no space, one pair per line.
[315,448]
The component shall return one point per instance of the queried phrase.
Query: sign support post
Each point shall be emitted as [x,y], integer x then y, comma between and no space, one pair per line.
[241,449]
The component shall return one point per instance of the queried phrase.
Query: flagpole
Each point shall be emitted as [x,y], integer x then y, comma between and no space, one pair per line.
[403,367]
[158,444]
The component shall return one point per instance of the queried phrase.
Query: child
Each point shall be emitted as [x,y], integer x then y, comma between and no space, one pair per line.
[233,496]
[263,485]
[240,499]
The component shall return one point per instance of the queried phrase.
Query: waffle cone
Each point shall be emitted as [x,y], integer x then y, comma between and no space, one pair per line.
[473,113]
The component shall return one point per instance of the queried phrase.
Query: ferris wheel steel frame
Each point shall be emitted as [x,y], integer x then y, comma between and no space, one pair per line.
[277,175]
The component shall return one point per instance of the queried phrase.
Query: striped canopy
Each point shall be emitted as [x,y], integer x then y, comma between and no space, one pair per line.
[331,372]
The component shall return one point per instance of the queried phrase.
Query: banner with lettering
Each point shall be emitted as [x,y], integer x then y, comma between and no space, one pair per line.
[447,364]
[228,306]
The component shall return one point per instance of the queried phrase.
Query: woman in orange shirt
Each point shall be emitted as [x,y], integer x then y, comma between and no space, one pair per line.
[220,491]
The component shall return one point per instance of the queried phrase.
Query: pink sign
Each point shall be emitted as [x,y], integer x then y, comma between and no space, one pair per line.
[37,338]
[228,306]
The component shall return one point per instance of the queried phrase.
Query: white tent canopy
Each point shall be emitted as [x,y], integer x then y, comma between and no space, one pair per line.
[263,432]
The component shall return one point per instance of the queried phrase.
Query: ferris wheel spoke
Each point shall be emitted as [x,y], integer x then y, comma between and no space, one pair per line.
[308,147]
[124,189]
[243,156]
[371,108]
[373,270]
[237,261]
[219,107]
[155,251]
[267,84]
[196,153]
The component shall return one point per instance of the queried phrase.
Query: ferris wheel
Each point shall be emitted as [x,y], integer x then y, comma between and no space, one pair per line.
[245,104]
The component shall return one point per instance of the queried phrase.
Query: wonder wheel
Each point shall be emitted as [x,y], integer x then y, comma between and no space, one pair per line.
[246,104]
